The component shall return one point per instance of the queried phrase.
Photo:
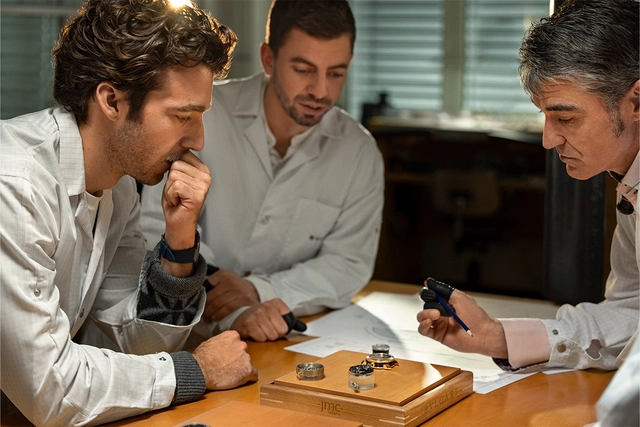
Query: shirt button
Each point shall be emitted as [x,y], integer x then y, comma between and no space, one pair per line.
[265,220]
[36,292]
[562,348]
[554,332]
[162,359]
[82,313]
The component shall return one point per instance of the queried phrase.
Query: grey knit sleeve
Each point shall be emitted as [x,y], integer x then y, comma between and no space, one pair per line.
[168,299]
[190,382]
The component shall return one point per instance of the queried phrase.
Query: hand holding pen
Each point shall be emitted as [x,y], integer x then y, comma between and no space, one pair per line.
[435,294]
[449,315]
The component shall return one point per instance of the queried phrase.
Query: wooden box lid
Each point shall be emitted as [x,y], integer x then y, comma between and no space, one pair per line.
[395,386]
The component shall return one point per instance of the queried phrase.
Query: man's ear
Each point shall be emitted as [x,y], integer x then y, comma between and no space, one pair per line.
[267,59]
[111,101]
[635,99]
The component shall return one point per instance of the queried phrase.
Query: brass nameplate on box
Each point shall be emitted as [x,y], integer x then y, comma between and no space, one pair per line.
[406,395]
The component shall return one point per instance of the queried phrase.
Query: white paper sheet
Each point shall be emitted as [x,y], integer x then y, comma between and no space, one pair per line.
[390,318]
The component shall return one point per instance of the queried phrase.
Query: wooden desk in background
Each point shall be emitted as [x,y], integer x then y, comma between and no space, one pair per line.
[558,400]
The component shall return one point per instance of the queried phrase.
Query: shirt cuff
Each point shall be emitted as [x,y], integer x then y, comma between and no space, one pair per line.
[527,342]
[263,287]
[190,382]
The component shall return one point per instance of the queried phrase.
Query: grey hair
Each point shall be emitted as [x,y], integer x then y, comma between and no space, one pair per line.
[593,43]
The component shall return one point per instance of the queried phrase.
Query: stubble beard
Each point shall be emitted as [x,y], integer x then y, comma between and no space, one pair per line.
[290,107]
[129,151]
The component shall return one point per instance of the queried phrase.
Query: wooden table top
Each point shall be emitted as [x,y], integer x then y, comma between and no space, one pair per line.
[562,399]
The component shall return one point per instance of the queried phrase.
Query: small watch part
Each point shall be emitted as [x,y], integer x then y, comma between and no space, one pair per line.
[380,348]
[381,361]
[361,377]
[310,371]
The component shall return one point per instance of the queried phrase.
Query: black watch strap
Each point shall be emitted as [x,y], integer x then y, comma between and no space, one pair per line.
[185,256]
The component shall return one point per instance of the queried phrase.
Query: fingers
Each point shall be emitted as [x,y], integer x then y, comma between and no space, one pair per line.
[183,196]
[221,304]
[442,288]
[426,319]
[225,362]
[252,376]
[188,165]
[264,322]
[440,328]
[278,305]
[187,182]
[431,301]
[191,159]
[229,293]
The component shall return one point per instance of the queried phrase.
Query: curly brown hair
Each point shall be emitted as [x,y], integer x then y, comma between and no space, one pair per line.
[130,43]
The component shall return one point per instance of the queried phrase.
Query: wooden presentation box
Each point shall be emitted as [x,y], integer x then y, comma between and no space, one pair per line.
[405,395]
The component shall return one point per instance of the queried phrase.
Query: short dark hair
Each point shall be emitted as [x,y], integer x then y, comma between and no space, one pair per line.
[323,19]
[593,43]
[130,43]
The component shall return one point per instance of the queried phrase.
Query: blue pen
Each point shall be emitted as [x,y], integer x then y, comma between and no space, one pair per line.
[453,314]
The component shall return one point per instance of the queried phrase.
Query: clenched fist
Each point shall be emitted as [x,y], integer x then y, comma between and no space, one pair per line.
[225,362]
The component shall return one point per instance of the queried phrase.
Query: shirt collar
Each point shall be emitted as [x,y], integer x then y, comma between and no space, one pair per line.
[71,155]
[629,183]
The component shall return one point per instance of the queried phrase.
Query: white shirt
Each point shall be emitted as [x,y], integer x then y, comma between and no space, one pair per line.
[589,335]
[308,233]
[619,404]
[56,271]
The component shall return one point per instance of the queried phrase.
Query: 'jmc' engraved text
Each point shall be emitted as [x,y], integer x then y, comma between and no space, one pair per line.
[330,408]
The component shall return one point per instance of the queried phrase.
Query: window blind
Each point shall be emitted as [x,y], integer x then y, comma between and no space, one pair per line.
[493,34]
[398,50]
[28,30]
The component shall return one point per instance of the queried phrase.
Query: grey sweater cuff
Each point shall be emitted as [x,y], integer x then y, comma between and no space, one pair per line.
[168,299]
[175,287]
[190,382]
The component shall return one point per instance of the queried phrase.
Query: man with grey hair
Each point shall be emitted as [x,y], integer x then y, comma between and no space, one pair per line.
[580,67]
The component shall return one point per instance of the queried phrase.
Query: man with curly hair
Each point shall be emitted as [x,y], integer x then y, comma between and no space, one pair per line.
[294,213]
[132,81]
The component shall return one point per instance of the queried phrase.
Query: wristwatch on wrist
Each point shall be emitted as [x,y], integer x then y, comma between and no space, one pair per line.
[185,256]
